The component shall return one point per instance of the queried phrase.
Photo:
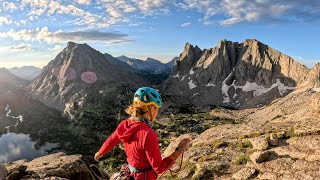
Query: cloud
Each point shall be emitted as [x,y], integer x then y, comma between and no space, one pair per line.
[147,5]
[110,12]
[5,20]
[229,12]
[86,2]
[9,6]
[21,48]
[51,7]
[109,43]
[44,35]
[185,24]
[56,48]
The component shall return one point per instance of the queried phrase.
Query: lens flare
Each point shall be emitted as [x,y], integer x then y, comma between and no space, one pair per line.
[89,77]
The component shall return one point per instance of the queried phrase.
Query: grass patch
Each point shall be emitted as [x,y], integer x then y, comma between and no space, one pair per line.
[208,158]
[245,144]
[242,159]
[290,133]
[218,144]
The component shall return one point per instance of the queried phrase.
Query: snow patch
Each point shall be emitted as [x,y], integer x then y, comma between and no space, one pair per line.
[101,92]
[177,76]
[259,90]
[252,87]
[191,71]
[194,94]
[8,129]
[19,118]
[235,95]
[225,89]
[191,85]
[182,78]
[211,84]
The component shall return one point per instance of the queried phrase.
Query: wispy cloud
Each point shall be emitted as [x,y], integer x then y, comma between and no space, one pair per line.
[229,12]
[105,13]
[86,2]
[44,35]
[185,24]
[5,20]
[56,48]
[21,48]
[8,6]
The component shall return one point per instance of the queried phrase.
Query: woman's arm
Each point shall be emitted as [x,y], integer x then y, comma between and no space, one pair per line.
[109,143]
[153,154]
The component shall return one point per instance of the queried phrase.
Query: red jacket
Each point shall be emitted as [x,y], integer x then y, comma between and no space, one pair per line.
[141,147]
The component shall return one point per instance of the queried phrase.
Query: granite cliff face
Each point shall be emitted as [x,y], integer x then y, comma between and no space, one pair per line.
[237,75]
[80,76]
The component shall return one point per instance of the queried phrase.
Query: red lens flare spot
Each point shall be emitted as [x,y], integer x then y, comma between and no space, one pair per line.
[89,77]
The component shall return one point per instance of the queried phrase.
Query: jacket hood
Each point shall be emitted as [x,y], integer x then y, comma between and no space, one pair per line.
[128,128]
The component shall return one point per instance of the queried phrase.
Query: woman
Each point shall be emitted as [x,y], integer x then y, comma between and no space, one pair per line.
[140,141]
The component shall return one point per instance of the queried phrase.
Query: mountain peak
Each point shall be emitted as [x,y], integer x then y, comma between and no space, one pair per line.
[71,44]
[149,59]
[251,40]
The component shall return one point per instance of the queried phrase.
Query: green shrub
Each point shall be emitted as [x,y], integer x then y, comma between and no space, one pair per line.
[218,144]
[242,159]
[245,144]
[207,158]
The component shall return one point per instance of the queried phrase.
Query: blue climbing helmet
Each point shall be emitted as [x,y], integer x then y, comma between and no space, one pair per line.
[148,96]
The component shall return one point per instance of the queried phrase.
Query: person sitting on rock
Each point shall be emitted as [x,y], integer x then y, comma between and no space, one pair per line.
[140,141]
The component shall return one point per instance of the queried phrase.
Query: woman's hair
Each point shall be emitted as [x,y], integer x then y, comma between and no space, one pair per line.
[137,109]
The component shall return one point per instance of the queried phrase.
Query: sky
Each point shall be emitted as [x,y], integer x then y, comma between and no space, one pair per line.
[33,32]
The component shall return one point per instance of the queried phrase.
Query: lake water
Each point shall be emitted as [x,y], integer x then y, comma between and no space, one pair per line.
[19,146]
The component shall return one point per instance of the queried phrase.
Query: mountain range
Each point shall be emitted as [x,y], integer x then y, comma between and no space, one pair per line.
[234,75]
[9,81]
[26,72]
[150,65]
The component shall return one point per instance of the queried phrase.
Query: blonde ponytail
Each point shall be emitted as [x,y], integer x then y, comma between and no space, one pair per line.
[137,109]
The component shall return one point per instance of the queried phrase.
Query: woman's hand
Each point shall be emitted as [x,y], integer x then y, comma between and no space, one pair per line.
[97,156]
[183,145]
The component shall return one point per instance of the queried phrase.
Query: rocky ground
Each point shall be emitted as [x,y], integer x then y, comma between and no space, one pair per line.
[279,141]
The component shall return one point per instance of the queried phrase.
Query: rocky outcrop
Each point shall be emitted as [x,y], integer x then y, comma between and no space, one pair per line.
[243,174]
[232,74]
[54,166]
[259,143]
[312,80]
[273,140]
[259,157]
